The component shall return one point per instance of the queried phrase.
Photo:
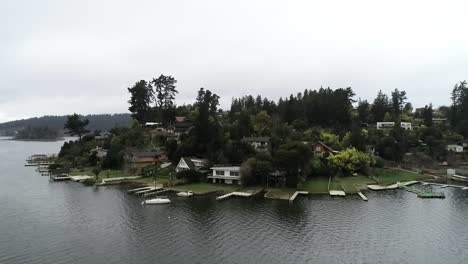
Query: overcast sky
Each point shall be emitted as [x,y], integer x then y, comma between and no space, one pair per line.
[59,57]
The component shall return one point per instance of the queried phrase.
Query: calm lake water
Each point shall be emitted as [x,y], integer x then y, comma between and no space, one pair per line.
[63,222]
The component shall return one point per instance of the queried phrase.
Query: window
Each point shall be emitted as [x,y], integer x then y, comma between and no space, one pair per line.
[318,149]
[234,173]
[219,173]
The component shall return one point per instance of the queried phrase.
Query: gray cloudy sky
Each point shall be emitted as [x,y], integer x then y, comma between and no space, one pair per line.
[60,57]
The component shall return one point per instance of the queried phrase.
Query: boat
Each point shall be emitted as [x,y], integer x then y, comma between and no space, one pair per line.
[157,200]
[185,194]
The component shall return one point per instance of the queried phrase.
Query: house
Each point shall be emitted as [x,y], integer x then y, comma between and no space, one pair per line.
[100,152]
[102,135]
[321,149]
[179,128]
[455,148]
[258,143]
[136,161]
[153,124]
[389,125]
[226,174]
[439,121]
[180,118]
[188,163]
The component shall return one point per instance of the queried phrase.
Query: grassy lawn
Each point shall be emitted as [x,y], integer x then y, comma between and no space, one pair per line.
[203,188]
[350,183]
[316,185]
[389,176]
[103,174]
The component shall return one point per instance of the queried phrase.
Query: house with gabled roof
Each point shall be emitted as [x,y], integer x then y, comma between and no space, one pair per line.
[321,149]
[191,163]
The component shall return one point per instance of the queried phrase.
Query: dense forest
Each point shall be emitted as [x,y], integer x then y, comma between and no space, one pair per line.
[37,133]
[291,124]
[103,122]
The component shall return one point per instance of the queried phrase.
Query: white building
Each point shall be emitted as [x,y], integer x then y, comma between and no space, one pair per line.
[226,174]
[186,163]
[455,148]
[388,125]
[258,143]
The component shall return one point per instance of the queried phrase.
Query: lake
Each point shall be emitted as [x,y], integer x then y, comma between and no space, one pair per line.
[64,222]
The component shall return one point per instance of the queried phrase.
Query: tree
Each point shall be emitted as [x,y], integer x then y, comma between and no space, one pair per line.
[349,161]
[96,171]
[75,126]
[165,90]
[262,124]
[363,110]
[379,107]
[398,101]
[140,100]
[459,108]
[292,158]
[427,115]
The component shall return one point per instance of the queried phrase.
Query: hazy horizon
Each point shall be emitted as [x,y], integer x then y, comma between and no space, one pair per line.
[61,57]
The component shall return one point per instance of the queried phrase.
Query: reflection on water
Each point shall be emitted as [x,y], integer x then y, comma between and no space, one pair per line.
[64,222]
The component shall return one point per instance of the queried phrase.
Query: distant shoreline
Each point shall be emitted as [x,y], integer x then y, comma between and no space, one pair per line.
[41,140]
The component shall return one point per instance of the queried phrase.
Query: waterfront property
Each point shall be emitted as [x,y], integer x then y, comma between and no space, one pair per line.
[258,143]
[454,148]
[226,174]
[136,161]
[190,163]
[100,152]
[390,125]
[321,149]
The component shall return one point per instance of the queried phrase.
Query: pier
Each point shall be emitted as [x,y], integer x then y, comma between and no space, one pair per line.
[376,187]
[446,185]
[424,194]
[60,177]
[240,194]
[363,197]
[80,178]
[296,194]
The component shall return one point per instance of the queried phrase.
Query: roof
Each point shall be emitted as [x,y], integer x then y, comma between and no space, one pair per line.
[256,139]
[325,146]
[147,154]
[180,118]
[225,167]
[189,162]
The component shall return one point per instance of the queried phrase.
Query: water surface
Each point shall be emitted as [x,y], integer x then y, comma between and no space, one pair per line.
[64,222]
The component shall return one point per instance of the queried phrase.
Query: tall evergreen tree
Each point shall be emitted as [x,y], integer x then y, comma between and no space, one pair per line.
[379,107]
[165,90]
[75,126]
[141,95]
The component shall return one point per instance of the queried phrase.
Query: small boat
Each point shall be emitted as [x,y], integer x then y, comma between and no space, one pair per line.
[185,194]
[157,200]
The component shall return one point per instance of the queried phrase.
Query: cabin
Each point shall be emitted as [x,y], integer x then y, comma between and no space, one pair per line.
[225,174]
[390,125]
[455,148]
[136,161]
[321,149]
[190,163]
[258,143]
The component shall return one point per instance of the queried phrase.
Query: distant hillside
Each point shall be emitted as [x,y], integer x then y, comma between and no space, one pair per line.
[102,122]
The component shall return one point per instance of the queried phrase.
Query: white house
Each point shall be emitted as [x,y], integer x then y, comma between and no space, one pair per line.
[186,163]
[226,174]
[258,143]
[387,125]
[100,152]
[455,148]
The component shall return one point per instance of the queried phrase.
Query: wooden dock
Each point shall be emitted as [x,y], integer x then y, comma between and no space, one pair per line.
[138,189]
[375,187]
[152,189]
[296,194]
[240,194]
[80,178]
[336,193]
[155,193]
[362,196]
[442,185]
[60,178]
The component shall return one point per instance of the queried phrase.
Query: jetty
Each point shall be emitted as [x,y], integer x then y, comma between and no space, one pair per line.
[139,189]
[336,193]
[80,178]
[116,180]
[376,187]
[155,193]
[63,177]
[240,194]
[296,194]
[152,189]
[363,197]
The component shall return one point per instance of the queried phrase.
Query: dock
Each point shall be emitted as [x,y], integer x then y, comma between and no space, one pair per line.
[336,193]
[80,178]
[155,193]
[60,177]
[138,189]
[240,194]
[424,194]
[107,181]
[152,189]
[296,194]
[376,187]
[363,197]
